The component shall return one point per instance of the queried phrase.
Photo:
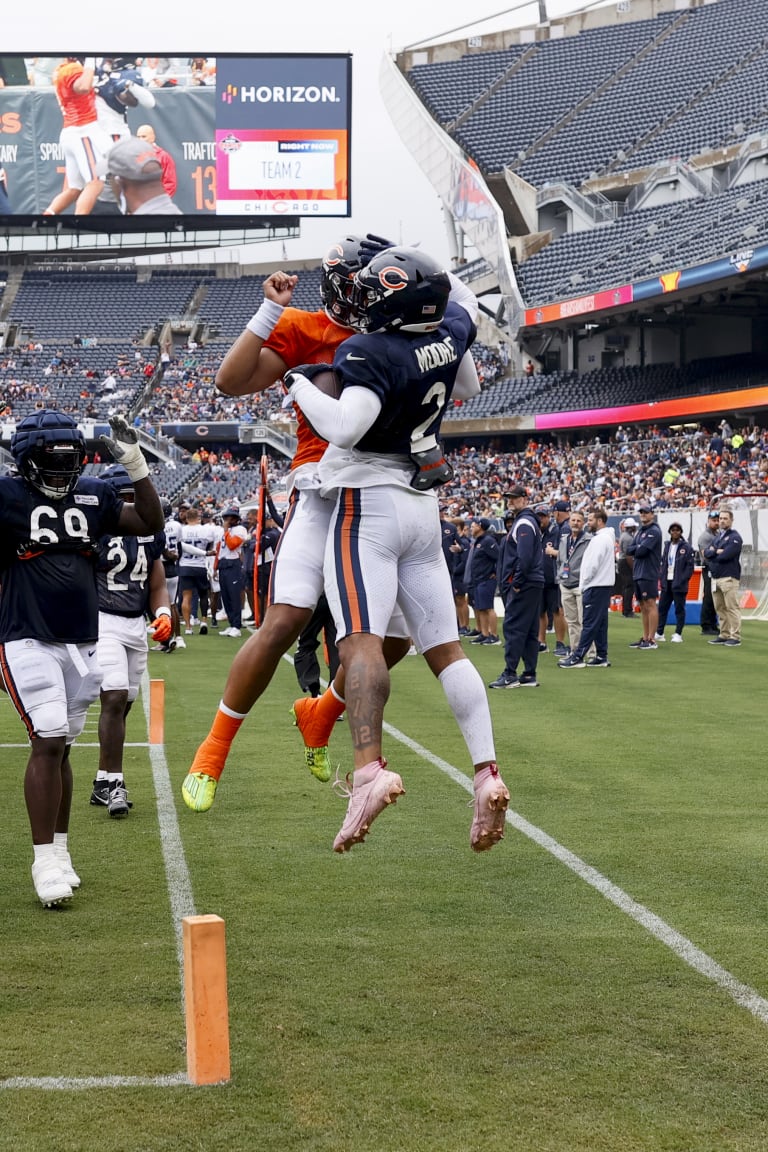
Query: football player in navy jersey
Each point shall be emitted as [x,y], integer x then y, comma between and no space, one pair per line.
[131,582]
[51,518]
[385,546]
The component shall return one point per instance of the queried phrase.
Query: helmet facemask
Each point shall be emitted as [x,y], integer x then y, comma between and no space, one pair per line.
[54,469]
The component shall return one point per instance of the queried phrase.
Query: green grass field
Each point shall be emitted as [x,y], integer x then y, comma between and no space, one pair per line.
[593,983]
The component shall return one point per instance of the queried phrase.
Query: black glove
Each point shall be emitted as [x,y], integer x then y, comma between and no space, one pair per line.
[307,370]
[371,246]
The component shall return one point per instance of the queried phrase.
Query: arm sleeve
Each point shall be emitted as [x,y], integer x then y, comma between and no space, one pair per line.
[341,422]
[467,381]
[274,514]
[192,549]
[142,95]
[461,294]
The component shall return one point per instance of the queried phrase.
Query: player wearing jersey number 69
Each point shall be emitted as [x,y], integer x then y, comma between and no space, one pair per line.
[384,465]
[50,519]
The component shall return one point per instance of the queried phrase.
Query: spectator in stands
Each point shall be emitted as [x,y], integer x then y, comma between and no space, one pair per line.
[135,174]
[724,558]
[521,579]
[708,619]
[596,581]
[676,571]
[570,553]
[645,550]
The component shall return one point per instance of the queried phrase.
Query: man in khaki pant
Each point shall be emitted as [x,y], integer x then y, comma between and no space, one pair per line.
[723,556]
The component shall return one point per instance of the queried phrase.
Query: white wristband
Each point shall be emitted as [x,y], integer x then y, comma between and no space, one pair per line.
[264,322]
[163,612]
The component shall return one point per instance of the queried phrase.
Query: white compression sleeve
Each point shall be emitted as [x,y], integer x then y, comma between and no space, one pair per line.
[467,699]
[467,381]
[461,294]
[341,422]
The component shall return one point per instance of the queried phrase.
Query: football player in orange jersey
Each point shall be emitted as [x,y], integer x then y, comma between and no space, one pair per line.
[83,141]
[279,337]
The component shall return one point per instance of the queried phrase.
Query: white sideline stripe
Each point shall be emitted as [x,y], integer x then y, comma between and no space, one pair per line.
[682,947]
[176,872]
[77,1084]
[182,904]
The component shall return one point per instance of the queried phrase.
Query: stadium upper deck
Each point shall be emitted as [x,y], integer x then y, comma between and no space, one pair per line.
[626,150]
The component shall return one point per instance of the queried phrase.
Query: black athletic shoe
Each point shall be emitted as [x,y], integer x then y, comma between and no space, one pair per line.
[100,793]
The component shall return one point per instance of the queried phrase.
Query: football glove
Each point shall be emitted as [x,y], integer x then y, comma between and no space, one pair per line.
[371,245]
[301,372]
[162,626]
[123,446]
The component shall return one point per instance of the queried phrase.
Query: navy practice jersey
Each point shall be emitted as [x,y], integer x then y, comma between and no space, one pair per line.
[47,560]
[413,375]
[123,571]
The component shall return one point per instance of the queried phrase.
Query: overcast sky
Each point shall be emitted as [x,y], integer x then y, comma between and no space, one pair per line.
[389,194]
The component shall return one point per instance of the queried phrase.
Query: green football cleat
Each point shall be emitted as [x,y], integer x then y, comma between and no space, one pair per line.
[199,791]
[316,757]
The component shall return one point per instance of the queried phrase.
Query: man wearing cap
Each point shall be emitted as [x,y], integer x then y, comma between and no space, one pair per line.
[135,175]
[676,572]
[229,565]
[645,549]
[626,586]
[521,580]
[481,566]
[708,615]
[562,510]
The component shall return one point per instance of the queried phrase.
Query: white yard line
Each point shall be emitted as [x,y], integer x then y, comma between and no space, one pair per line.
[179,885]
[682,947]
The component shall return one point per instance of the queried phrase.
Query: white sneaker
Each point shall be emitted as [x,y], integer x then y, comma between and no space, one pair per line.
[660,639]
[65,863]
[50,885]
[676,638]
[221,614]
[234,632]
[225,632]
[187,631]
[180,642]
[247,614]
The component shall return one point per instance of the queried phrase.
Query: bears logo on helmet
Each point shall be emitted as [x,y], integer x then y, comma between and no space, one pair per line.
[403,290]
[49,451]
[340,263]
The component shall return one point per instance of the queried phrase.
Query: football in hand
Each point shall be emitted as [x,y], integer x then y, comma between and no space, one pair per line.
[328,383]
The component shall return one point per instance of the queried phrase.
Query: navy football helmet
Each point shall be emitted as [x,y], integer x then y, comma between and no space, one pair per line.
[402,289]
[340,263]
[49,451]
[117,477]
